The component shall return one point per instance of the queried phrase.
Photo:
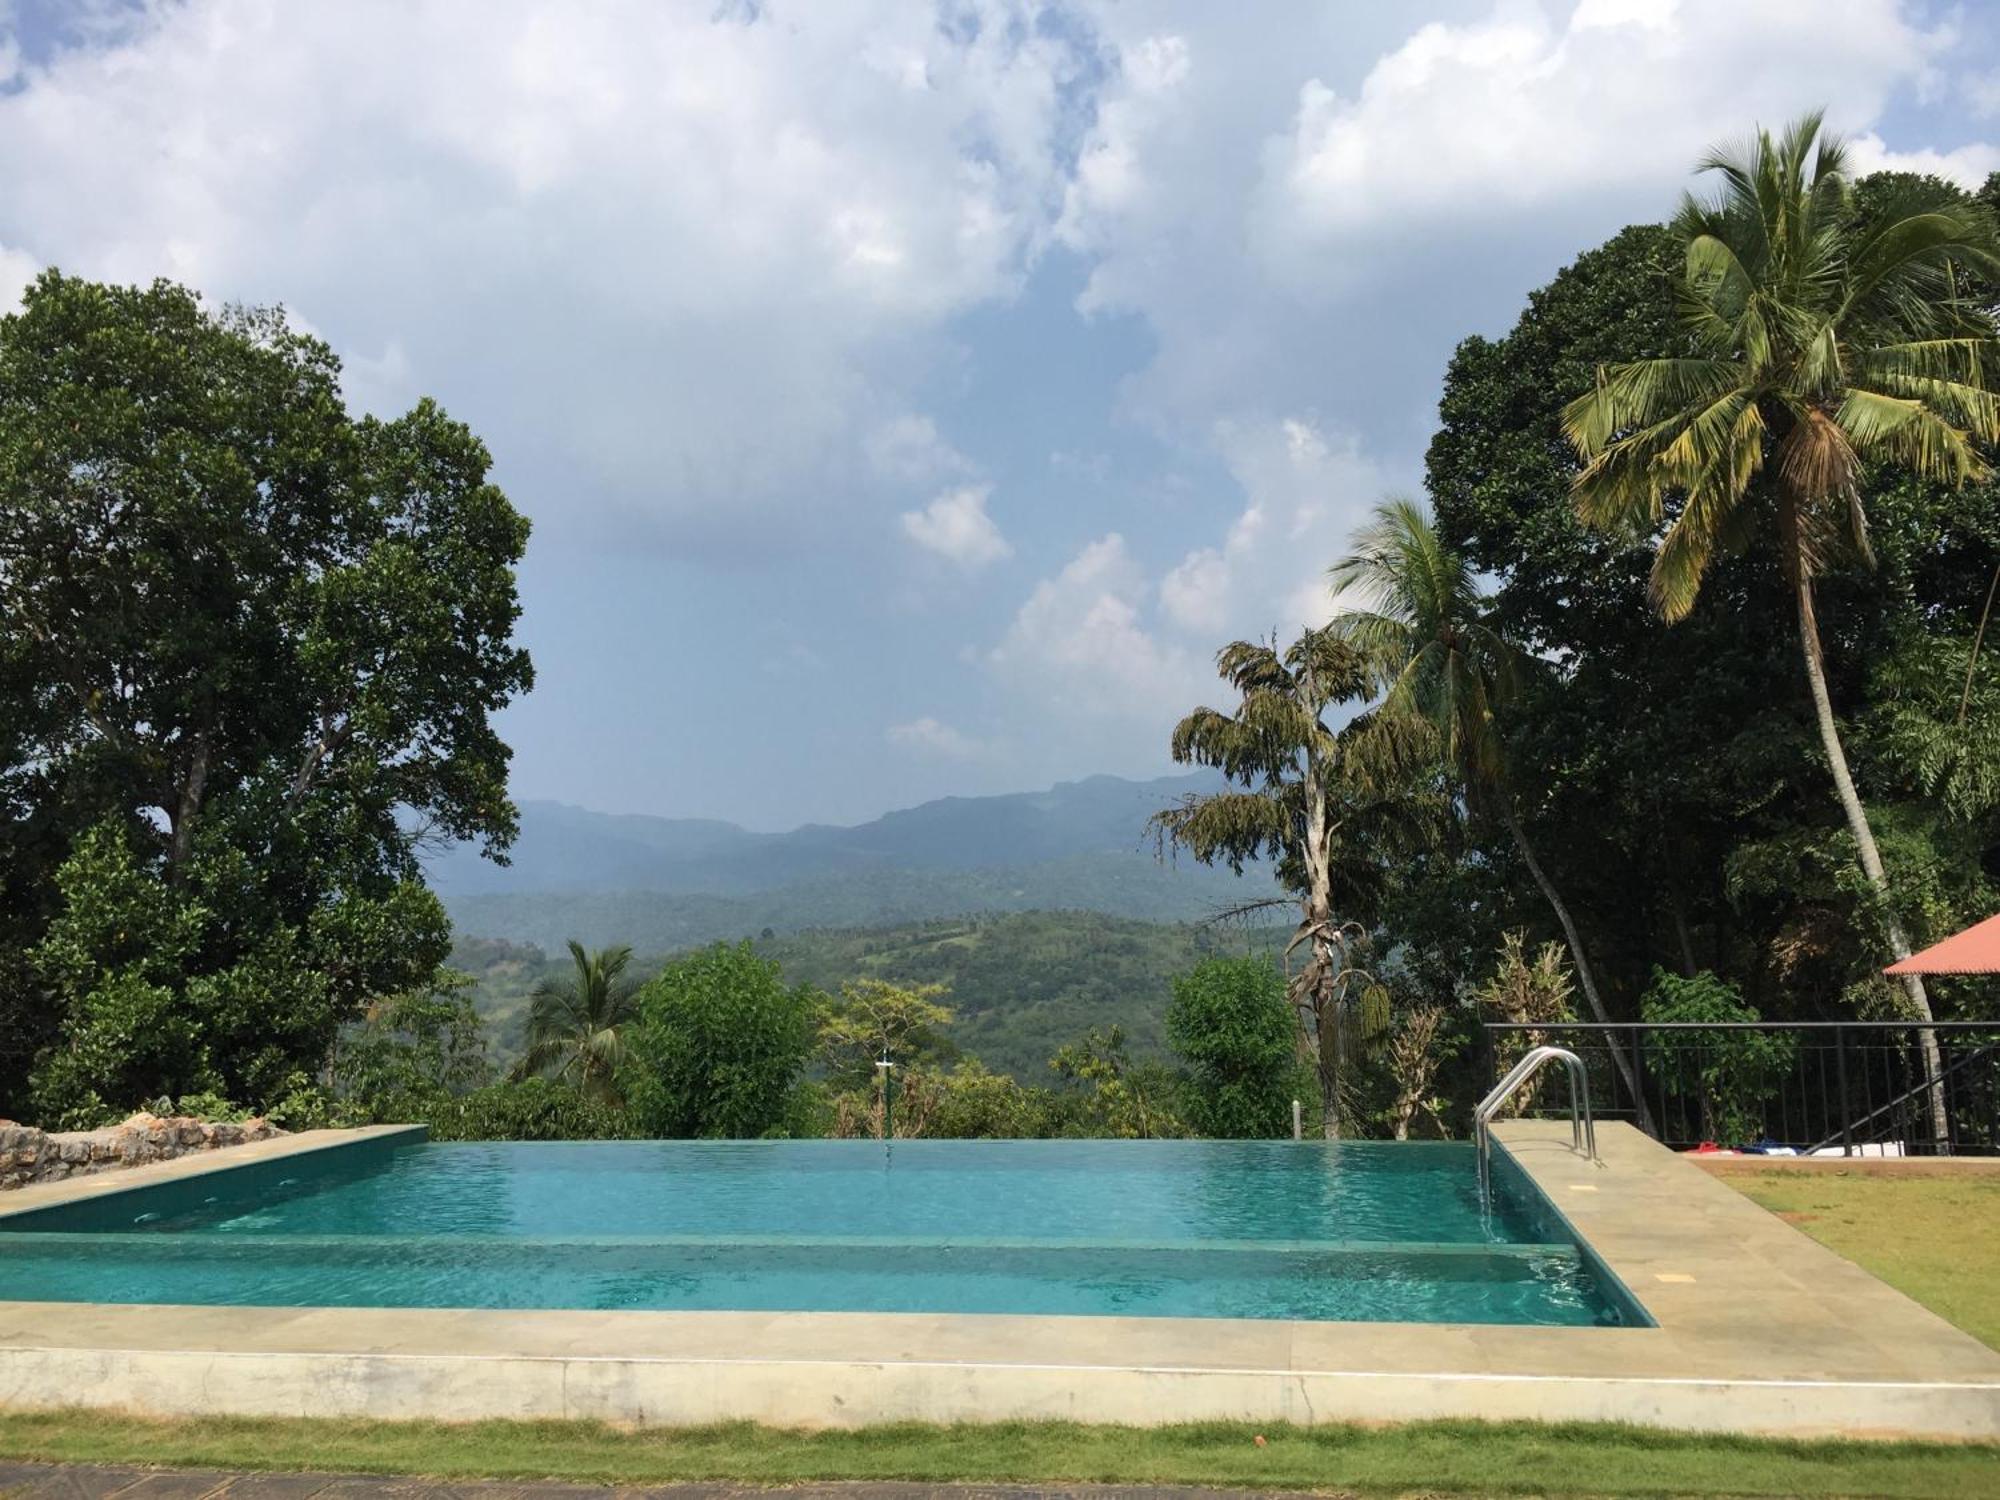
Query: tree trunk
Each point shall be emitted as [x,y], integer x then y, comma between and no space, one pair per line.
[1329,1071]
[1583,975]
[1689,968]
[187,805]
[1864,843]
[1320,991]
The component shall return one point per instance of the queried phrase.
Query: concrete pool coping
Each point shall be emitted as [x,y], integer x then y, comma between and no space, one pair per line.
[1759,1329]
[35,1196]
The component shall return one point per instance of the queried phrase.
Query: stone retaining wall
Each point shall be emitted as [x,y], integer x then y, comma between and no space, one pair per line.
[30,1155]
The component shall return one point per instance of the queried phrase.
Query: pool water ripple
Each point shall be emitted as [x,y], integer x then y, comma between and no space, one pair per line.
[1248,1229]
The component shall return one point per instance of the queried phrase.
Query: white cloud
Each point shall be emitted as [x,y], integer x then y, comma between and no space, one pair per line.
[1307,212]
[672,260]
[1464,122]
[1968,166]
[908,449]
[1981,92]
[17,269]
[1307,491]
[955,525]
[1107,641]
[1082,644]
[927,736]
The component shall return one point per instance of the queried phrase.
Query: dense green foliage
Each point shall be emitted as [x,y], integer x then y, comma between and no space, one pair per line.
[1021,983]
[1819,337]
[720,1047]
[1018,983]
[1685,756]
[1231,1026]
[528,1109]
[248,646]
[1730,1073]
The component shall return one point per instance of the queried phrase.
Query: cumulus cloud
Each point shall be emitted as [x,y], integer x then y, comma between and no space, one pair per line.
[1968,165]
[1275,201]
[955,526]
[671,258]
[1082,643]
[927,736]
[1107,640]
[1521,109]
[909,449]
[1307,491]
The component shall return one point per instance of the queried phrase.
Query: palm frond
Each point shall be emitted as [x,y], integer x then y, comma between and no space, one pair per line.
[1911,432]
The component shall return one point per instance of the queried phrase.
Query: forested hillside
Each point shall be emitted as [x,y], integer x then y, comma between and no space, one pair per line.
[1022,984]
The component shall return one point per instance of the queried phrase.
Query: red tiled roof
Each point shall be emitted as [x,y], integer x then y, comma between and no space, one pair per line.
[1974,951]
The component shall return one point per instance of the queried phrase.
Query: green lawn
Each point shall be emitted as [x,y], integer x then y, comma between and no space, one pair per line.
[1934,1235]
[1455,1458]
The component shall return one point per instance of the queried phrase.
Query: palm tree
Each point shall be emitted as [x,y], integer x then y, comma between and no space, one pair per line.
[1328,806]
[1421,617]
[1818,344]
[576,1029]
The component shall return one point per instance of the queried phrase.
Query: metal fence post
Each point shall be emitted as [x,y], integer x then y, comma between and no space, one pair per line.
[1846,1106]
[1639,1110]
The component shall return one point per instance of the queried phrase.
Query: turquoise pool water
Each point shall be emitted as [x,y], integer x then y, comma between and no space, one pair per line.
[1250,1229]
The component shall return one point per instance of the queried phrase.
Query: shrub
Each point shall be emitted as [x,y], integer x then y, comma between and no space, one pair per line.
[1110,1095]
[530,1109]
[720,1047]
[1729,1072]
[1232,1028]
[968,1103]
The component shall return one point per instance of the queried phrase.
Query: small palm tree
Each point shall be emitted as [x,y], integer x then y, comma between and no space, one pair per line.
[1818,344]
[1421,617]
[576,1029]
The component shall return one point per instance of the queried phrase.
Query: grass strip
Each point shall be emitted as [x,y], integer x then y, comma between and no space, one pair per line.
[1435,1458]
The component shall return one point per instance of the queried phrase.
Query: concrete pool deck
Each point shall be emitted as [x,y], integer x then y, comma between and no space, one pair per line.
[1759,1330]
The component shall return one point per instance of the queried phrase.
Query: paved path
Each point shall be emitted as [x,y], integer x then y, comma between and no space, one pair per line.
[102,1482]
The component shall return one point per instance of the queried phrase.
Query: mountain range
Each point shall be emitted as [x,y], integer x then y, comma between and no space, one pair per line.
[664,883]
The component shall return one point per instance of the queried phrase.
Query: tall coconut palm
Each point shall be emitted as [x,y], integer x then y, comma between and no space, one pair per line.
[1818,344]
[1413,603]
[1328,806]
[576,1028]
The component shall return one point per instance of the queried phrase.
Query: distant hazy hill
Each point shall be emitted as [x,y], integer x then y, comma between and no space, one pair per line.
[665,883]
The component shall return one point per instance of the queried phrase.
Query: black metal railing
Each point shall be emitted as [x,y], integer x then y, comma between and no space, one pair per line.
[1831,1086]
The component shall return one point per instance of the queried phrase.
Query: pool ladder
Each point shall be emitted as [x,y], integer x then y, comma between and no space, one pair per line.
[1583,1133]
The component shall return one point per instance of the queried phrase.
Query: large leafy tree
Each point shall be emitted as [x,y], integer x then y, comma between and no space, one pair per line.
[1415,606]
[256,642]
[1332,807]
[577,1026]
[1648,750]
[1817,343]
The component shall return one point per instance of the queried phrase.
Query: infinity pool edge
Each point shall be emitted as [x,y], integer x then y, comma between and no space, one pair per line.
[1760,1330]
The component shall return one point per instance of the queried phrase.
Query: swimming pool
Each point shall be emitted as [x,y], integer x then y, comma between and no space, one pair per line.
[1372,1231]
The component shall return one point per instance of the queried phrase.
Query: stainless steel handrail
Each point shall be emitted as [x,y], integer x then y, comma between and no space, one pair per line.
[1583,1131]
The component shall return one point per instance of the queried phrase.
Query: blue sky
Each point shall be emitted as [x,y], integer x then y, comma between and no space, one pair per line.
[909,399]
